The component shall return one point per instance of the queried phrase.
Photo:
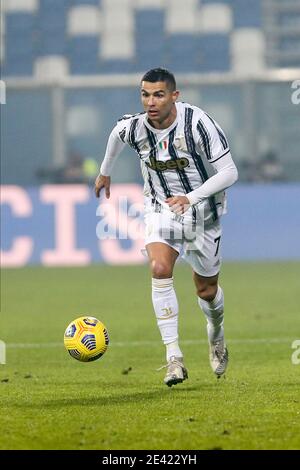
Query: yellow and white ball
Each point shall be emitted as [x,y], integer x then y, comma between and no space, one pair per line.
[86,339]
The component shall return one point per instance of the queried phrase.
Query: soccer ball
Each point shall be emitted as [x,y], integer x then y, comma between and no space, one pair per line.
[86,339]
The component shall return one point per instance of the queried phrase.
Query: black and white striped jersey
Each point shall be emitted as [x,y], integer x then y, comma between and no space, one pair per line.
[176,160]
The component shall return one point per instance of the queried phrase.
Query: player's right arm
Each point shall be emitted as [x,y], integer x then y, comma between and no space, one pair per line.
[115,145]
[100,183]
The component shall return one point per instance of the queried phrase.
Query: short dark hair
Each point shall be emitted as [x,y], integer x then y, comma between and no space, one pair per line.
[160,75]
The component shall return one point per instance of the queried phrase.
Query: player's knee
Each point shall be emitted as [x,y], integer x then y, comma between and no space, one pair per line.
[160,269]
[207,292]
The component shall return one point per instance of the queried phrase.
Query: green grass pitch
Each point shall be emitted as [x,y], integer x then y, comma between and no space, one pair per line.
[50,401]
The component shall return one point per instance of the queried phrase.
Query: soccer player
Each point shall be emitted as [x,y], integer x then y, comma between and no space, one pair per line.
[187,165]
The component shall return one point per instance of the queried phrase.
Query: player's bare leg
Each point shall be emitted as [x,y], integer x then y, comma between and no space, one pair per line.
[211,300]
[162,259]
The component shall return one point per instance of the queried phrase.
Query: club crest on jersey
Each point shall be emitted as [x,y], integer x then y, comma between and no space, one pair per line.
[180,143]
[177,164]
[163,145]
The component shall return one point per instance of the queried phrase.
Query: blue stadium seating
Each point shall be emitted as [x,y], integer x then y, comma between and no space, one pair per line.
[83,55]
[18,22]
[203,2]
[54,44]
[247,13]
[289,19]
[33,35]
[151,21]
[290,44]
[181,52]
[20,65]
[51,31]
[117,66]
[214,52]
[52,15]
[149,38]
[85,2]
[19,51]
[57,5]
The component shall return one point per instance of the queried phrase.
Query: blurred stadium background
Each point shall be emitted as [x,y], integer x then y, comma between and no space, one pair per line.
[71,68]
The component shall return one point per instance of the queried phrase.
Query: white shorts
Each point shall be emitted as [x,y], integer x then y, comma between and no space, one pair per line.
[198,246]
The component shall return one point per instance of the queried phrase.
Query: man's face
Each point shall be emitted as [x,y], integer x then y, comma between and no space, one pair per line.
[158,101]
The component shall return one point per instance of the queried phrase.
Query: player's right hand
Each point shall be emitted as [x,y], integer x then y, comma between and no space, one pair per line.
[100,183]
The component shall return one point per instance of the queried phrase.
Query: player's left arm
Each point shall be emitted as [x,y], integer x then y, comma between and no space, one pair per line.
[226,175]
[210,140]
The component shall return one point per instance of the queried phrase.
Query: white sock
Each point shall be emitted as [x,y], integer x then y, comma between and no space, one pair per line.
[166,310]
[214,312]
[173,349]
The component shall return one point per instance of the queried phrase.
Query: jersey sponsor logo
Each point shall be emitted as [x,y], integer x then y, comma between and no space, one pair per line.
[172,164]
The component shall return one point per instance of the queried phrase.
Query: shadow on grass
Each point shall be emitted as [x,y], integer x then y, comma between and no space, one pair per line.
[124,398]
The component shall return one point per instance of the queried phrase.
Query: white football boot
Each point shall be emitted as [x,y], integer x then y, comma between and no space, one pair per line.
[218,357]
[176,372]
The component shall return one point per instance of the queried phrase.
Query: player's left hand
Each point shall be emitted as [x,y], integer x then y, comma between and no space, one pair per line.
[178,204]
